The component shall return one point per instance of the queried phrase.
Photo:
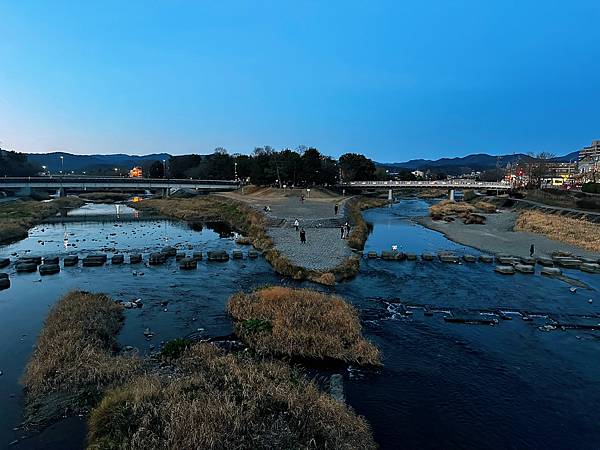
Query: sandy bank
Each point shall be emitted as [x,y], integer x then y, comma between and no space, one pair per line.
[497,236]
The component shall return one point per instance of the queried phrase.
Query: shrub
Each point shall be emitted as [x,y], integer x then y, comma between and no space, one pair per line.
[224,401]
[450,208]
[175,348]
[303,323]
[591,188]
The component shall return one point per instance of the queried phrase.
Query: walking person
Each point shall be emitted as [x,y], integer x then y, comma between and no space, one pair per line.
[302,236]
[347,226]
[297,225]
[336,208]
[343,232]
[531,250]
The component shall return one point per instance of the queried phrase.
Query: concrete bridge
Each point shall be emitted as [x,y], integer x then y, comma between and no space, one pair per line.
[24,185]
[450,185]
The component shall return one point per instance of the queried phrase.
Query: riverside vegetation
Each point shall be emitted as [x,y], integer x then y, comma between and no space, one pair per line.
[577,232]
[197,395]
[18,216]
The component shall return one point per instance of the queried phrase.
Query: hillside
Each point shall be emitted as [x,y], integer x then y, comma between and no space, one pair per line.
[92,162]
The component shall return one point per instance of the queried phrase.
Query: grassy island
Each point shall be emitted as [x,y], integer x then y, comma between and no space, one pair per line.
[221,401]
[301,323]
[74,359]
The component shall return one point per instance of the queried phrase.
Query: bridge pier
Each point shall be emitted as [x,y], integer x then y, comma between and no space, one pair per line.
[23,192]
[451,195]
[390,196]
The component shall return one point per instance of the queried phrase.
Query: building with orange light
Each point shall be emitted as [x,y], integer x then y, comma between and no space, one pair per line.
[136,172]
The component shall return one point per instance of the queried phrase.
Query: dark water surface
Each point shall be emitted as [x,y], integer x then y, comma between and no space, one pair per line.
[443,385]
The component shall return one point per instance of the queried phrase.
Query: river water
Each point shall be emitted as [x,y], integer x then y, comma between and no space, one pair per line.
[443,385]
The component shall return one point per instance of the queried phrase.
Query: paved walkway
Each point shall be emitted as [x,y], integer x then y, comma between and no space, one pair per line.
[324,249]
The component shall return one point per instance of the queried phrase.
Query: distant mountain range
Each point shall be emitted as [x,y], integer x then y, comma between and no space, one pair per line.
[466,164]
[80,163]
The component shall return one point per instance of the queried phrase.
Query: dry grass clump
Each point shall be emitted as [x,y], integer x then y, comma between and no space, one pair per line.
[486,207]
[18,216]
[225,402]
[360,230]
[73,360]
[450,208]
[243,240]
[301,323]
[580,233]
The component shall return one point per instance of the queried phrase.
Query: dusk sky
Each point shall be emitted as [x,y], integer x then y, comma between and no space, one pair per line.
[394,80]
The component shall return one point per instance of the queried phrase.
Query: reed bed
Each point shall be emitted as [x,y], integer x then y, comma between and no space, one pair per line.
[221,401]
[580,233]
[450,208]
[301,323]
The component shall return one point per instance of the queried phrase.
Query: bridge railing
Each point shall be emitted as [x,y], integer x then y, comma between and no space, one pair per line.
[125,180]
[432,183]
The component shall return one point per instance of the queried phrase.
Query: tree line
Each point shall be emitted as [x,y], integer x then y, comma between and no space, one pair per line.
[305,166]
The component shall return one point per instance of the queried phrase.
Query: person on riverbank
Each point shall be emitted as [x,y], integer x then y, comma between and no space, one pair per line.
[302,198]
[302,236]
[343,232]
[336,208]
[297,225]
[347,226]
[531,250]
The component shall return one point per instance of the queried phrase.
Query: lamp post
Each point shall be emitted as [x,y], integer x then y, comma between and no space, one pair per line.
[62,164]
[164,161]
[235,170]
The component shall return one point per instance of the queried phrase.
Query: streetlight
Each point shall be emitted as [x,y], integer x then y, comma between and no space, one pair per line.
[164,168]
[235,170]
[62,164]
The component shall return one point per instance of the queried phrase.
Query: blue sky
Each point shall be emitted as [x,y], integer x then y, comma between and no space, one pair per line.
[394,80]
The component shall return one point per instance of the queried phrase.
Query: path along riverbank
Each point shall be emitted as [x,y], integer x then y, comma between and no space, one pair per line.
[497,236]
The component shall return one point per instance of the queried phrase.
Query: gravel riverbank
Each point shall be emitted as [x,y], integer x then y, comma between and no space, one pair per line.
[497,236]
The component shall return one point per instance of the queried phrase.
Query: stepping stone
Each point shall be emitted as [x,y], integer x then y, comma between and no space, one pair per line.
[507,260]
[551,271]
[179,256]
[372,255]
[427,256]
[505,270]
[590,267]
[528,261]
[49,269]
[118,259]
[4,281]
[218,255]
[448,257]
[388,255]
[544,261]
[169,251]
[70,260]
[568,262]
[157,258]
[197,256]
[135,258]
[411,256]
[51,260]
[486,258]
[4,262]
[469,258]
[26,267]
[188,264]
[252,254]
[524,268]
[237,254]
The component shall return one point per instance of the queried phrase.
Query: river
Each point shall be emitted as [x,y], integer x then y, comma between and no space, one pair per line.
[443,385]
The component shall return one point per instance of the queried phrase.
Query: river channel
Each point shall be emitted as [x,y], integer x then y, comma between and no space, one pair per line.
[443,385]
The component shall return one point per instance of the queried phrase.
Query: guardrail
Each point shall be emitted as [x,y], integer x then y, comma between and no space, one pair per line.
[451,184]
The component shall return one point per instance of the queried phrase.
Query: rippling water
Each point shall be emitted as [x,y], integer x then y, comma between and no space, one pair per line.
[443,385]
